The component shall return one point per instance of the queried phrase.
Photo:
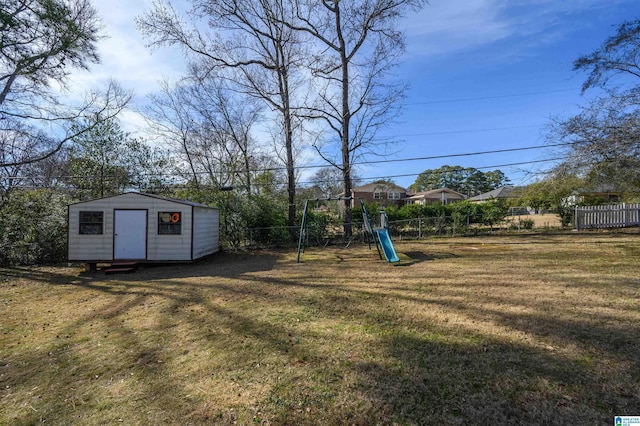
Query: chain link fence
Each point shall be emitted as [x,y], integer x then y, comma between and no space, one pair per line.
[409,229]
[317,235]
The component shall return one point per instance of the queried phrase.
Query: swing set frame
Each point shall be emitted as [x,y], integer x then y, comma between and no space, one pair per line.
[304,225]
[365,214]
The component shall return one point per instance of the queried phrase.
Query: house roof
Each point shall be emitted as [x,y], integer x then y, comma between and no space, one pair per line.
[598,189]
[159,197]
[376,186]
[435,192]
[502,192]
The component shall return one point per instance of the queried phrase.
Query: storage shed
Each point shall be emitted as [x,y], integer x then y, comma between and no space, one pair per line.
[142,228]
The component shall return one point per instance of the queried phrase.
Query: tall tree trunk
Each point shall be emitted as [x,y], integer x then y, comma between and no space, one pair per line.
[291,178]
[285,95]
[346,123]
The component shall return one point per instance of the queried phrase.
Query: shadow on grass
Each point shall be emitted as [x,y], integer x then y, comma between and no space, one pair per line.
[428,382]
[77,378]
[438,376]
[410,258]
[222,264]
[331,352]
[42,275]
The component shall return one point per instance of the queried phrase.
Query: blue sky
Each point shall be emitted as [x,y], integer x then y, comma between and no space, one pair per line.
[503,65]
[485,75]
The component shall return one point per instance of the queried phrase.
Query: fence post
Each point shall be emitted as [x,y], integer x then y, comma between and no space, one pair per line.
[626,214]
[419,228]
[576,219]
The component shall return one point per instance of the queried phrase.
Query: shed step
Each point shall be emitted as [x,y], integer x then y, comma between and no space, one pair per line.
[119,271]
[121,268]
[124,264]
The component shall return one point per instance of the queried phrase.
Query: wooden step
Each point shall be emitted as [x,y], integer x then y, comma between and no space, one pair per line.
[111,271]
[124,264]
[121,268]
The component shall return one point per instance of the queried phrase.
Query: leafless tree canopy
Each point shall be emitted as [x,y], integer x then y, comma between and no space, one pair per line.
[209,128]
[341,53]
[604,137]
[41,41]
[357,45]
[619,55]
[246,39]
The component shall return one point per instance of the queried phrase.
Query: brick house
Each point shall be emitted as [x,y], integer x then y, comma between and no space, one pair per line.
[383,193]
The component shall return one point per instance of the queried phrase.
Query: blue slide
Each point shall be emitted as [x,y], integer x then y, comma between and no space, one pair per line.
[387,246]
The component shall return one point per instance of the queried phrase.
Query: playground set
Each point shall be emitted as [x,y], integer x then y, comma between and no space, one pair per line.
[378,235]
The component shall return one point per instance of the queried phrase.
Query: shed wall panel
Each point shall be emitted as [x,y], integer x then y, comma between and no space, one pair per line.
[90,247]
[205,231]
[169,247]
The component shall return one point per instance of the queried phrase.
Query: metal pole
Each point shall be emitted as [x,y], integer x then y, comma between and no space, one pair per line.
[302,230]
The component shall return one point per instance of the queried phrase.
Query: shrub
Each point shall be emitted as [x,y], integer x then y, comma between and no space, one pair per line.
[34,227]
[526,224]
[493,212]
[317,223]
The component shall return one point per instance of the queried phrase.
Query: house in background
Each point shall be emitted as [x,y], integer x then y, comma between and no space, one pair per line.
[598,194]
[383,193]
[142,228]
[502,193]
[442,195]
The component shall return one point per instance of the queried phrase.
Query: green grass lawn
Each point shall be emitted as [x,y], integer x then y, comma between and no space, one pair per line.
[532,329]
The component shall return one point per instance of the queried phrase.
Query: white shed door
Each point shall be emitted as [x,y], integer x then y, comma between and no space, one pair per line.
[130,234]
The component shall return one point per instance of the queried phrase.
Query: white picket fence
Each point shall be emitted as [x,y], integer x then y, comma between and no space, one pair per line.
[607,216]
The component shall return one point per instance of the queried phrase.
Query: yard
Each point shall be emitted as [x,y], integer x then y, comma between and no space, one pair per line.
[520,329]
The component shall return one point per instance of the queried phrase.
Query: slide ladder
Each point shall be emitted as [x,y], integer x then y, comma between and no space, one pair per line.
[380,236]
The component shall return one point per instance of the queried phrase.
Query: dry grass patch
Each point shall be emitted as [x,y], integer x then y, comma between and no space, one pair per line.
[519,329]
[543,220]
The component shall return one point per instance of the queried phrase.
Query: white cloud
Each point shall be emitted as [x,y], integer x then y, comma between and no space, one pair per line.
[125,59]
[124,56]
[132,121]
[449,26]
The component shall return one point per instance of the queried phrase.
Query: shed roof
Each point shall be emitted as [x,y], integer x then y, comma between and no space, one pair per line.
[159,197]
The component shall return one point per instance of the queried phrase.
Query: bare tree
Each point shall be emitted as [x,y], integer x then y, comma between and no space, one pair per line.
[14,146]
[228,119]
[209,127]
[61,125]
[40,43]
[169,119]
[619,55]
[604,138]
[248,39]
[603,143]
[17,146]
[357,46]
